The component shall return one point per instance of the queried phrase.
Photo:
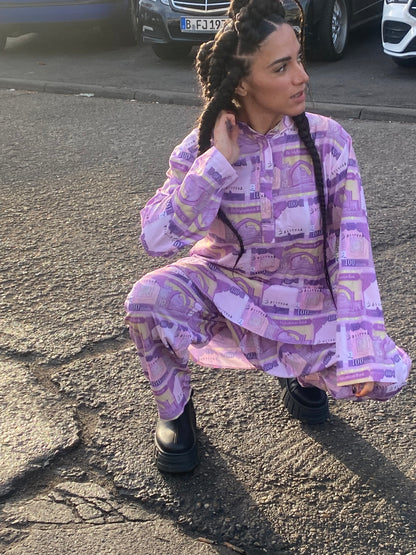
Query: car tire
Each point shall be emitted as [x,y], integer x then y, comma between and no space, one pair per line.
[332,32]
[171,51]
[404,62]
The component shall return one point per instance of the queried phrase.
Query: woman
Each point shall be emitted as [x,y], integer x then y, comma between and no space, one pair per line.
[280,277]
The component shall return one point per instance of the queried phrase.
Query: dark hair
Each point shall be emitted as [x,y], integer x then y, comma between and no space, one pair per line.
[221,64]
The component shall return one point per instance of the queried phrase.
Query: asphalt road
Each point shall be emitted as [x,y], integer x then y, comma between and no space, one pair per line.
[77,416]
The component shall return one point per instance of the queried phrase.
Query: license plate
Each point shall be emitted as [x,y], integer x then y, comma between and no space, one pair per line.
[201,24]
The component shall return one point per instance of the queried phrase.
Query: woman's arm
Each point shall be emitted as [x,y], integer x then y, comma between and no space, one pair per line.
[365,352]
[181,212]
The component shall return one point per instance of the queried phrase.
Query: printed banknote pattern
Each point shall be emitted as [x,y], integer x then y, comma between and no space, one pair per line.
[271,308]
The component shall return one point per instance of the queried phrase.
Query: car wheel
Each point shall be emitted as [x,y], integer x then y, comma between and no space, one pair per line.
[171,51]
[333,30]
[404,62]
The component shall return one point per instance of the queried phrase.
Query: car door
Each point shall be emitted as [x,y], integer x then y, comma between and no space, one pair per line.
[26,12]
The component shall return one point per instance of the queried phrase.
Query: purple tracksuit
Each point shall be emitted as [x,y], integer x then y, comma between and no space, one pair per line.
[272,310]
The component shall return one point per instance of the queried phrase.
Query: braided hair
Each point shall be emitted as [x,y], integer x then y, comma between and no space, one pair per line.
[222,63]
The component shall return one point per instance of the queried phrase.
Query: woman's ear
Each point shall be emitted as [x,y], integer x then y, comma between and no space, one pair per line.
[241,88]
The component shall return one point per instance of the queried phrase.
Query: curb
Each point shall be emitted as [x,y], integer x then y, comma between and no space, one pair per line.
[348,111]
[144,95]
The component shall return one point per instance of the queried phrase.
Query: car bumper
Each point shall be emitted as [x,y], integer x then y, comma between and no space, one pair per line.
[399,30]
[162,25]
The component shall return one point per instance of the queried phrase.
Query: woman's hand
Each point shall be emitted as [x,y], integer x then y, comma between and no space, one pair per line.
[226,136]
[362,389]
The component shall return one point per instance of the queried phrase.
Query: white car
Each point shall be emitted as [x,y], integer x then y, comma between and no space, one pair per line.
[399,31]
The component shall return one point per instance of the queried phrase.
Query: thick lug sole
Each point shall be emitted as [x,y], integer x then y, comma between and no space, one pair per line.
[314,413]
[176,463]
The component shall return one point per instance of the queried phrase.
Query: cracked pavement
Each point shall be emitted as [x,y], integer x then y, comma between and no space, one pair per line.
[77,418]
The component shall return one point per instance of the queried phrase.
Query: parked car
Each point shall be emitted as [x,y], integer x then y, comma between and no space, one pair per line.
[174,26]
[398,31]
[18,17]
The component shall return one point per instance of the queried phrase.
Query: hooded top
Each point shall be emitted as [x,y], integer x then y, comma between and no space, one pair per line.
[277,289]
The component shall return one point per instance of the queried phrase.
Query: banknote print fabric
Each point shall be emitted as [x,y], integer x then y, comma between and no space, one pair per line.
[269,308]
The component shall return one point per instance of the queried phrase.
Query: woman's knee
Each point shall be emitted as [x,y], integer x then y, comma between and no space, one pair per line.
[155,292]
[143,295]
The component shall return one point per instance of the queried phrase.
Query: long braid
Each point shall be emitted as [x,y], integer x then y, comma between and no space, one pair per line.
[302,124]
[202,63]
[222,100]
[218,84]
[302,25]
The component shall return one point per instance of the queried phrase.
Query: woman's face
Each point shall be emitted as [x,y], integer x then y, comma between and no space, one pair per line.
[276,84]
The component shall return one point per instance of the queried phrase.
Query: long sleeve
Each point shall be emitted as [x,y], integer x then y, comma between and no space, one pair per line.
[181,212]
[365,352]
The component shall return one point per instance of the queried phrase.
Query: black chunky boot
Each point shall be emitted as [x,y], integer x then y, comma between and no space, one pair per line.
[307,404]
[176,449]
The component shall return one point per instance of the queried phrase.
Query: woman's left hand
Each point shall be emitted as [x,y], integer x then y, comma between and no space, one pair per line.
[362,389]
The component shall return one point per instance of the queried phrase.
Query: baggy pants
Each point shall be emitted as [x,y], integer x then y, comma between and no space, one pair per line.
[168,316]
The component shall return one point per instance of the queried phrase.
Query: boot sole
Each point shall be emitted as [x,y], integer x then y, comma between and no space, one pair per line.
[176,463]
[317,414]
